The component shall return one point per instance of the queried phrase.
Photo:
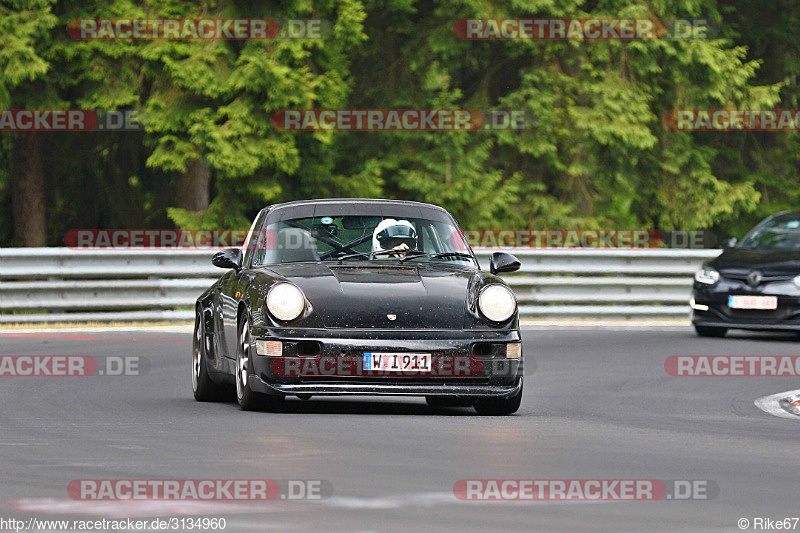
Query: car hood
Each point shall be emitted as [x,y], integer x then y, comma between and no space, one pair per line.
[769,262]
[368,296]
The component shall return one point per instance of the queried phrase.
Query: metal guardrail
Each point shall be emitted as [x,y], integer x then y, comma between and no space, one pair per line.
[59,284]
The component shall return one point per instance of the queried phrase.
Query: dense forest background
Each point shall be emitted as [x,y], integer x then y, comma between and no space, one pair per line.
[597,156]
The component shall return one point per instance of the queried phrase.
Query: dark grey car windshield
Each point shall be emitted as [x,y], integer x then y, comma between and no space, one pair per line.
[354,237]
[779,233]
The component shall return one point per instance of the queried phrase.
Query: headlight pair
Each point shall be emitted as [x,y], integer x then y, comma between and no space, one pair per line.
[709,276]
[286,302]
[497,303]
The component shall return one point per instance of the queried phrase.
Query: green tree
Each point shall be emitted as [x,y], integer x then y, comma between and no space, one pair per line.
[25,26]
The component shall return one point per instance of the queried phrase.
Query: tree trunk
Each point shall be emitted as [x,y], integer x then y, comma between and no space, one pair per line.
[27,191]
[192,186]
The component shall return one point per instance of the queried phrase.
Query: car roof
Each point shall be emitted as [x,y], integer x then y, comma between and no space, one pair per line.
[356,206]
[354,201]
[780,214]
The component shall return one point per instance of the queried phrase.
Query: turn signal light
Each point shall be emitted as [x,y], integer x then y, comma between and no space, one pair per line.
[270,348]
[513,350]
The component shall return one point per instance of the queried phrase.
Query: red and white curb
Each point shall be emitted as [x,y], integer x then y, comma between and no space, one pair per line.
[782,405]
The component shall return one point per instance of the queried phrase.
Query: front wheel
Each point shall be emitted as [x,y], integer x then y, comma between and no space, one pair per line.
[499,406]
[248,399]
[707,331]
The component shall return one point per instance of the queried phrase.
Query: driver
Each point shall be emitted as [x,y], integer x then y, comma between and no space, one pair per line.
[392,234]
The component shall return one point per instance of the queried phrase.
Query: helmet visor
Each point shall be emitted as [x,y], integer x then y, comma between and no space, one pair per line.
[394,236]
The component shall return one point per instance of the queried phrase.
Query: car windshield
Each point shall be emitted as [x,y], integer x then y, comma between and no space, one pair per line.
[779,233]
[378,239]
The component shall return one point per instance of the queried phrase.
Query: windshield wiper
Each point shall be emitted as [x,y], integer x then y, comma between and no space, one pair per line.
[351,256]
[368,255]
[439,256]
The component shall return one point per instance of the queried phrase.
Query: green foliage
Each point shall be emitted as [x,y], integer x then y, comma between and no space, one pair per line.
[596,152]
[23,24]
[222,213]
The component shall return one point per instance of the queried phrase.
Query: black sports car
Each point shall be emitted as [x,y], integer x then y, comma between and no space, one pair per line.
[354,296]
[754,284]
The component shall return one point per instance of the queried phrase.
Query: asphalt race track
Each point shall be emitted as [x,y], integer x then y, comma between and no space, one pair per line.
[598,406]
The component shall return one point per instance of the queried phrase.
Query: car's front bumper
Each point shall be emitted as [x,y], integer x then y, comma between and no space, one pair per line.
[700,318]
[718,314]
[385,389]
[333,357]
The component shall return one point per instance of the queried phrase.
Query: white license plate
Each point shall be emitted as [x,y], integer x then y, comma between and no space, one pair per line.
[398,362]
[753,302]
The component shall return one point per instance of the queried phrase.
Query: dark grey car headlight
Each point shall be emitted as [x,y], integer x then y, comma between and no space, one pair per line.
[497,303]
[707,276]
[285,301]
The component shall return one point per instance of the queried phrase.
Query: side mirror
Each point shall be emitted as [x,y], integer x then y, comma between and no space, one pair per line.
[503,262]
[230,258]
[729,243]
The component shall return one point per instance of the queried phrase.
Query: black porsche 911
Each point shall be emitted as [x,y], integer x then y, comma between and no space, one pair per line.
[754,284]
[359,297]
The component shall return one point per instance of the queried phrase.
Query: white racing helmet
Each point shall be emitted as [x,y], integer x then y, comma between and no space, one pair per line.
[391,234]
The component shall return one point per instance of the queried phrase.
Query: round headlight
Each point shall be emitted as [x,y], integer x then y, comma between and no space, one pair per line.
[707,275]
[285,301]
[497,303]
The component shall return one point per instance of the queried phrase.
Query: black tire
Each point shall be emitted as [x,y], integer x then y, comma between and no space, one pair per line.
[708,331]
[248,399]
[499,406]
[450,401]
[203,387]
